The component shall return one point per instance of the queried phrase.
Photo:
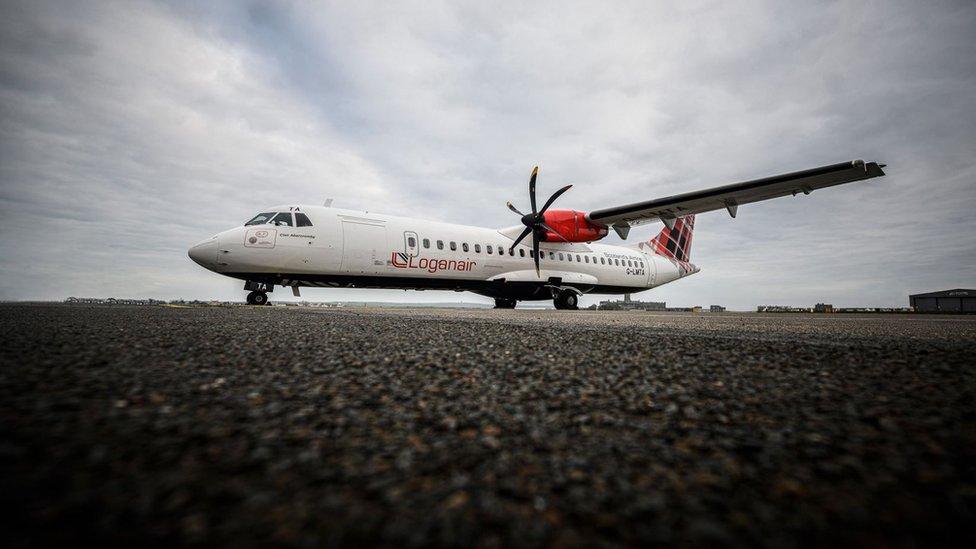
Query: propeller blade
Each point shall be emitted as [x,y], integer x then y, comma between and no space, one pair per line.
[553,198]
[519,239]
[535,172]
[514,209]
[553,231]
[535,252]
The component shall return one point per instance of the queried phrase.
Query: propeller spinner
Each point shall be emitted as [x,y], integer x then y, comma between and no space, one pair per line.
[535,222]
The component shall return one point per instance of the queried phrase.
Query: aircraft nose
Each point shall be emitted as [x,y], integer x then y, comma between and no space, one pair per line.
[205,253]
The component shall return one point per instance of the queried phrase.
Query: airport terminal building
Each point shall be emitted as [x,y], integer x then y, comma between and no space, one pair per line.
[946,301]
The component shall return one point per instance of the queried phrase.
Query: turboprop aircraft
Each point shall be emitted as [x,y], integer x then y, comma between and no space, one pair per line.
[553,254]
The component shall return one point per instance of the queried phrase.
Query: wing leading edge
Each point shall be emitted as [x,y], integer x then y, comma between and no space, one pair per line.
[730,197]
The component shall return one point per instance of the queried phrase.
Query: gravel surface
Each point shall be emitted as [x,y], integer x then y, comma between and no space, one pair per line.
[486,428]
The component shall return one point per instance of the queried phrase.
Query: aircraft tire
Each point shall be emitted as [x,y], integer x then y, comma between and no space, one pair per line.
[505,303]
[566,300]
[257,298]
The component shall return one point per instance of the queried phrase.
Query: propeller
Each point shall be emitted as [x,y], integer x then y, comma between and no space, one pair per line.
[535,222]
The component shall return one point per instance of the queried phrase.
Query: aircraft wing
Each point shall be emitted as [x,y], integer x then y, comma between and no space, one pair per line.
[730,197]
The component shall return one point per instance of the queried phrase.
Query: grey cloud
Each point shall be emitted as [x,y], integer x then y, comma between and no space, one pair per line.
[131,130]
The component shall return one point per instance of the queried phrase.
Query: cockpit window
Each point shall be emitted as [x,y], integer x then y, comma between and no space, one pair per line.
[302,220]
[282,219]
[260,219]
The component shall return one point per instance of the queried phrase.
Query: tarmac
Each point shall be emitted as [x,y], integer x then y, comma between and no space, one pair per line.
[306,427]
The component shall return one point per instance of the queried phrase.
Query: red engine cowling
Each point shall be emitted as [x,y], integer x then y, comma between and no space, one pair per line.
[572,226]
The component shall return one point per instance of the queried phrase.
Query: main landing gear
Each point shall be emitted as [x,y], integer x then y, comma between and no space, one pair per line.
[504,303]
[257,298]
[566,299]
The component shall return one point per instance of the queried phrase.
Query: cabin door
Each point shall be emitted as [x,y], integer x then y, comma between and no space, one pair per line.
[364,250]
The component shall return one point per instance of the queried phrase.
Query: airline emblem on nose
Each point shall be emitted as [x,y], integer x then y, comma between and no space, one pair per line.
[257,238]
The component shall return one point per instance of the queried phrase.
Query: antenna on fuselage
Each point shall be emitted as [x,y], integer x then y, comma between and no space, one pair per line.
[328,202]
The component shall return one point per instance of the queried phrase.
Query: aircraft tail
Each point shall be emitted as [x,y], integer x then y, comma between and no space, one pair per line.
[675,242]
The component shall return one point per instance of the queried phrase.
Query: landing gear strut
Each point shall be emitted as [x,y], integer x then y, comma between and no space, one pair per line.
[504,303]
[257,298]
[566,300]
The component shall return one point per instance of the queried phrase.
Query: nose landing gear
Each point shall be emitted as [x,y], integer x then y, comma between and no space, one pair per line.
[259,292]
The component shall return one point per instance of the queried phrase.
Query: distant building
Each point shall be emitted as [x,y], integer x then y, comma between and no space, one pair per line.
[716,309]
[823,308]
[782,309]
[946,301]
[628,304]
[112,301]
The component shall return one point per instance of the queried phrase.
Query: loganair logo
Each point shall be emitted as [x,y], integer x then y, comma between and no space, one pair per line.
[401,260]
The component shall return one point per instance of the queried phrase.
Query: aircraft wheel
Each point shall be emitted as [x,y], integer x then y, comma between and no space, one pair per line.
[566,300]
[505,303]
[257,298]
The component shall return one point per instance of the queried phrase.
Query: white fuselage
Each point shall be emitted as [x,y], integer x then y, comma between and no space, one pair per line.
[361,249]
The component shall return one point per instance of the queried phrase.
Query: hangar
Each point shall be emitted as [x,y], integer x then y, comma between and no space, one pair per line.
[946,301]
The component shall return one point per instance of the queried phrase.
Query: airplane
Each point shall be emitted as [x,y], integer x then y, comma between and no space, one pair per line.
[320,246]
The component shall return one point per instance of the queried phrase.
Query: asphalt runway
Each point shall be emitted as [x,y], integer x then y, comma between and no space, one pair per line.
[159,425]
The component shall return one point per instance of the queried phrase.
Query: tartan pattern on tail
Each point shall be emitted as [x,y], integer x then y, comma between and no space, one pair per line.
[675,243]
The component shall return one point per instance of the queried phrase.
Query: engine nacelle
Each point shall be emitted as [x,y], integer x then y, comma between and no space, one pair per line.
[572,226]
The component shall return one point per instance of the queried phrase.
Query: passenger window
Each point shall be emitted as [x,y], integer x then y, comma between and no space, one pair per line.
[282,219]
[453,246]
[552,255]
[477,248]
[411,241]
[488,248]
[578,260]
[440,244]
[303,221]
[521,252]
[464,246]
[260,219]
[501,251]
[586,259]
[511,252]
[561,256]
[603,261]
[569,257]
[426,243]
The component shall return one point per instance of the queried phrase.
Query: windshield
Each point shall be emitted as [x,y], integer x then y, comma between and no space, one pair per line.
[282,219]
[260,219]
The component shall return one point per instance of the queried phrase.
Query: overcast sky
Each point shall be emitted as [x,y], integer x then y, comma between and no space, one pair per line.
[131,130]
